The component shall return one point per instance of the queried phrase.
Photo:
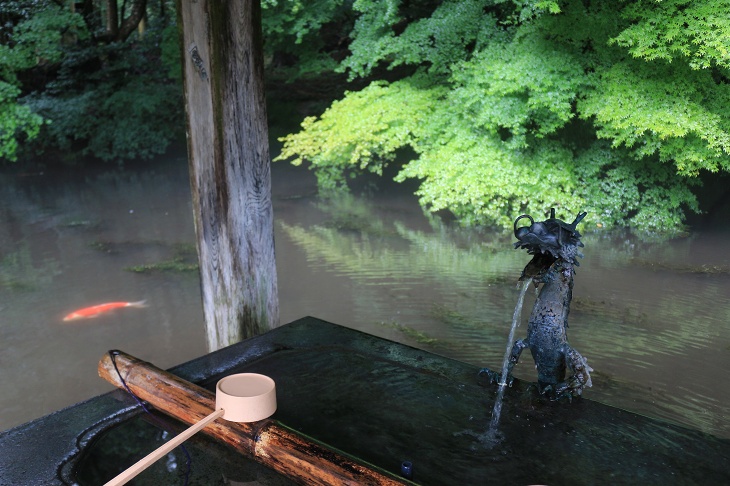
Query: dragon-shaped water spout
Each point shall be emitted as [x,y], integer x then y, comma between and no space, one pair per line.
[554,245]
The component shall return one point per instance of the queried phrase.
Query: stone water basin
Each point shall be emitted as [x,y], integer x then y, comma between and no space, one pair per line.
[381,402]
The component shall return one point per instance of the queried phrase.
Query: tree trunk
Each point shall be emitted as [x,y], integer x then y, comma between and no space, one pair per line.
[229,167]
[112,20]
[116,30]
[131,23]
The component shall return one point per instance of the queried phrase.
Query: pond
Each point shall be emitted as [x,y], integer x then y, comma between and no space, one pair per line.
[653,319]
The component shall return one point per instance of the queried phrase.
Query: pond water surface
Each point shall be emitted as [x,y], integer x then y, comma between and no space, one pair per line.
[653,319]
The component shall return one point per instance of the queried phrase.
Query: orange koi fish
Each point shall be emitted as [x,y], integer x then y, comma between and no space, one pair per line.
[97,310]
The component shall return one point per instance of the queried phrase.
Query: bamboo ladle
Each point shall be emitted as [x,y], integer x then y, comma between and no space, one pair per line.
[244,397]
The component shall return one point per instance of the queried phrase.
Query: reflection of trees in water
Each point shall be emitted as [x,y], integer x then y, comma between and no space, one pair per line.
[463,267]
[47,222]
[668,326]
[19,271]
[358,240]
[447,289]
[23,267]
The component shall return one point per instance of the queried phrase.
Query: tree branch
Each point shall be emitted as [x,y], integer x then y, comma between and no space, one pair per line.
[136,14]
[119,33]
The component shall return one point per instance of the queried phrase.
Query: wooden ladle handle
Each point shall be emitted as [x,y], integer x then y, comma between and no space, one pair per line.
[153,456]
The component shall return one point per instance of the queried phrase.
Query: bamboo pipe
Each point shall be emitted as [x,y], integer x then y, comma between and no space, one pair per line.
[278,447]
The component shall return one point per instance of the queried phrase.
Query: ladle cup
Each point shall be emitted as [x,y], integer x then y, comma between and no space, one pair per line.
[244,397]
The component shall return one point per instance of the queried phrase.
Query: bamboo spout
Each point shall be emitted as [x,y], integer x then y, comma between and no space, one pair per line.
[300,458]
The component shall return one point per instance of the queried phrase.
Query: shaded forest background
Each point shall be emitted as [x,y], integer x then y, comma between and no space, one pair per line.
[497,108]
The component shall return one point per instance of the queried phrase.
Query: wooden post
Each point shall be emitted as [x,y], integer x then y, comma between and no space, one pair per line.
[300,458]
[230,167]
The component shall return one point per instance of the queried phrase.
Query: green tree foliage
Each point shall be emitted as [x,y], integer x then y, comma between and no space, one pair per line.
[667,110]
[304,38]
[435,41]
[70,83]
[130,108]
[694,32]
[35,40]
[40,38]
[364,130]
[16,121]
[515,107]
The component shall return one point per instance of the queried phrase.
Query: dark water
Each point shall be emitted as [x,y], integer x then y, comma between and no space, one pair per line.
[211,462]
[333,384]
[653,319]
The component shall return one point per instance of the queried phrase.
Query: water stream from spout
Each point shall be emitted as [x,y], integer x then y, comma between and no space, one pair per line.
[497,411]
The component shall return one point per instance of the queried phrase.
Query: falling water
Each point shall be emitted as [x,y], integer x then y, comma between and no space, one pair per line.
[491,434]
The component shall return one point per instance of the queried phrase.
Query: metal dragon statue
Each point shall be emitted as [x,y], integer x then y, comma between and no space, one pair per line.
[554,245]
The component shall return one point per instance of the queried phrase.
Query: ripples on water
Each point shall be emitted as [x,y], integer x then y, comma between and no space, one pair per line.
[653,320]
